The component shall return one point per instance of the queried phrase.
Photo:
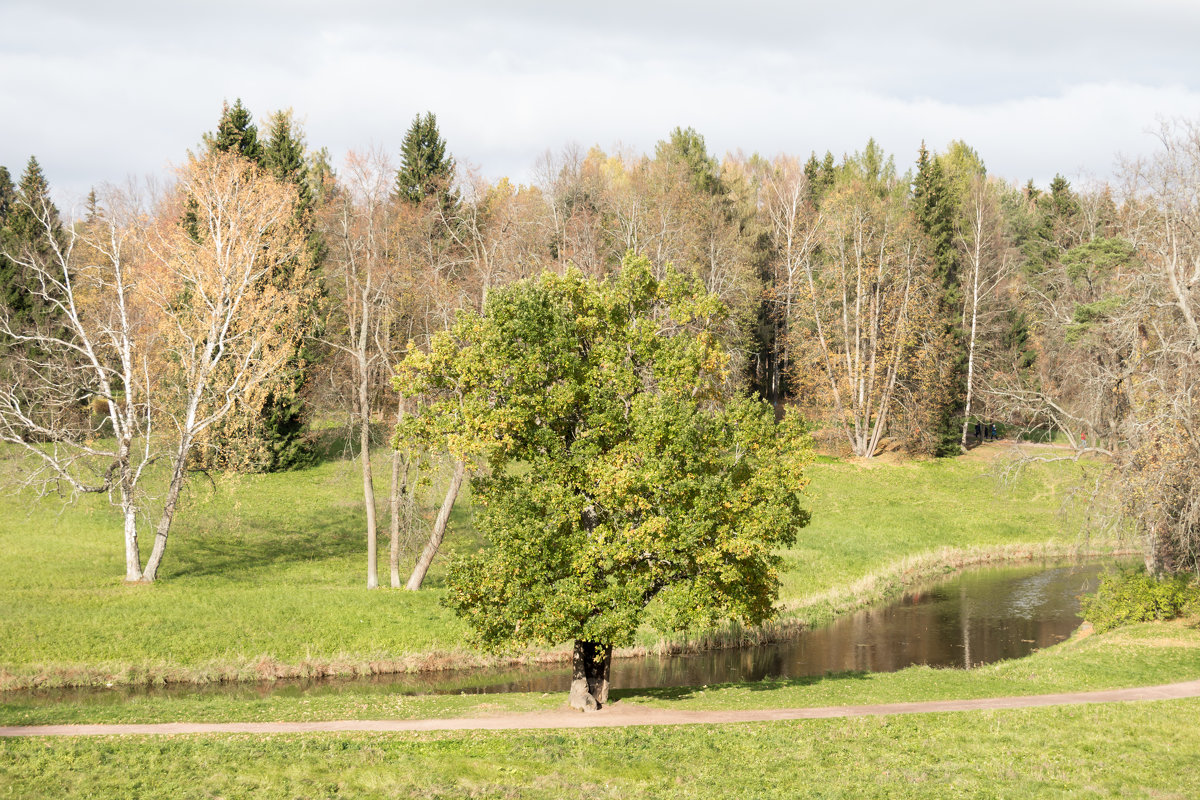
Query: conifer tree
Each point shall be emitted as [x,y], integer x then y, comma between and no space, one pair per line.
[821,176]
[687,146]
[935,210]
[425,168]
[236,133]
[26,212]
[91,211]
[10,276]
[283,156]
[8,194]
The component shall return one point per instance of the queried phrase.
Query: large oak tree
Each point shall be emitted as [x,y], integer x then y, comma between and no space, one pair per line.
[625,483]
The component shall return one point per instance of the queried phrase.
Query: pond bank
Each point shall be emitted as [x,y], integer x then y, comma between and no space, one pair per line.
[905,575]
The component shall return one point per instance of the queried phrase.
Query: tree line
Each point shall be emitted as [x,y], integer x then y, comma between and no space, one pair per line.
[208,324]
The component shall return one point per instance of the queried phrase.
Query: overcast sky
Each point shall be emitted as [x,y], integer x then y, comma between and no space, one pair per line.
[99,91]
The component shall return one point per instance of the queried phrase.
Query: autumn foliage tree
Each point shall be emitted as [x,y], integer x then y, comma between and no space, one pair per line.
[270,437]
[231,303]
[625,483]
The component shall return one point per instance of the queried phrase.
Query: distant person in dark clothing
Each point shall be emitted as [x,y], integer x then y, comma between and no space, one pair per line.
[978,432]
[995,437]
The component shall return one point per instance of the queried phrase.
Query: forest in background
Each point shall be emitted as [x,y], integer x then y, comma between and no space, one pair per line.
[212,322]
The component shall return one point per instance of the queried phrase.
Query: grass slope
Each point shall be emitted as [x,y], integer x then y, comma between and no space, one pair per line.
[264,574]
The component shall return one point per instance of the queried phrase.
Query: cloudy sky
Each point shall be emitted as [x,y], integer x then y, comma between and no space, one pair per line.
[103,90]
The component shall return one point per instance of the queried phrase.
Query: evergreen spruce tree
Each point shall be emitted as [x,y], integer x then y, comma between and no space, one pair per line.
[935,209]
[11,294]
[23,228]
[1047,233]
[236,133]
[8,194]
[821,176]
[425,168]
[92,207]
[283,156]
[812,175]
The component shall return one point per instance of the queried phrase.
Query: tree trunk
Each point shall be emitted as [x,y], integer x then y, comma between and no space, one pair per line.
[591,663]
[364,443]
[439,530]
[970,366]
[394,507]
[168,514]
[1162,556]
[400,503]
[133,558]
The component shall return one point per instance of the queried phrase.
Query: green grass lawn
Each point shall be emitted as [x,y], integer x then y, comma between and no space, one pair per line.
[265,574]
[1127,749]
[1118,750]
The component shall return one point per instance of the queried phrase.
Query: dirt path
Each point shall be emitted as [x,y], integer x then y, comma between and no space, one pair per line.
[616,715]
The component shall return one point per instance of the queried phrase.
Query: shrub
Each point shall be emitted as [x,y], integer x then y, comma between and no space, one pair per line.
[1133,595]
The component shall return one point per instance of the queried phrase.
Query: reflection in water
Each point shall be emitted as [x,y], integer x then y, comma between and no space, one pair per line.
[979,617]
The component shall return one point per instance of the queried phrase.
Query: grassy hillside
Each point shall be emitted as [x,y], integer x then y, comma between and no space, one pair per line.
[265,574]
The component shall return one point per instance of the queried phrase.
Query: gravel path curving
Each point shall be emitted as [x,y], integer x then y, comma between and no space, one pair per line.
[616,715]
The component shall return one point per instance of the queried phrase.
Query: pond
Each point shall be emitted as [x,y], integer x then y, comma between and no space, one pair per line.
[974,618]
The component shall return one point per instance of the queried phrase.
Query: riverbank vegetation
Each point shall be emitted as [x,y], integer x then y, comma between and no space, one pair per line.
[1133,595]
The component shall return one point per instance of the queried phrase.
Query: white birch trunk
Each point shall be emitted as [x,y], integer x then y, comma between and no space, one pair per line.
[439,529]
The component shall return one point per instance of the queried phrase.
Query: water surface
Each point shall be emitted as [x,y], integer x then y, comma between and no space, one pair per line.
[977,617]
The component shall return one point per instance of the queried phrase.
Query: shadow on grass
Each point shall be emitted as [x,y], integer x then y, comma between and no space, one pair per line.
[673,693]
[229,540]
[307,538]
[341,442]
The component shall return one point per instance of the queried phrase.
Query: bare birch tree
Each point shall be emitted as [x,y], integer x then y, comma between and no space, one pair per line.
[228,323]
[794,226]
[371,265]
[93,356]
[987,264]
[865,303]
[165,327]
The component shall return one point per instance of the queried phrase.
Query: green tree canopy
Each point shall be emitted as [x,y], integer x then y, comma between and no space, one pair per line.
[283,155]
[686,145]
[625,484]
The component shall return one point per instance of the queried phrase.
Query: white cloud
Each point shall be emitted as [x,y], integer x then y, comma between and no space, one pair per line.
[104,90]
